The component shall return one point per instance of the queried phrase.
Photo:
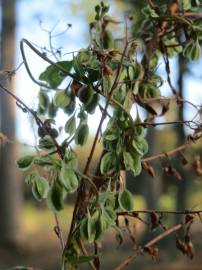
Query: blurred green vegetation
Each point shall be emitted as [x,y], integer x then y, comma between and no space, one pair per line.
[37,220]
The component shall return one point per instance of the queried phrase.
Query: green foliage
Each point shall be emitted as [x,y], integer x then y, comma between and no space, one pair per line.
[25,162]
[53,74]
[68,178]
[55,198]
[126,200]
[70,125]
[192,50]
[108,163]
[81,134]
[40,188]
[61,99]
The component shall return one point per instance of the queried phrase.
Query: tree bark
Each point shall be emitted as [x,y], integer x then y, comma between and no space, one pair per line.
[152,186]
[183,186]
[10,187]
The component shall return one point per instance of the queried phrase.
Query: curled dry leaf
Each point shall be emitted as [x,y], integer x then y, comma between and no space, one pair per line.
[148,168]
[189,218]
[181,245]
[170,171]
[197,165]
[154,217]
[153,251]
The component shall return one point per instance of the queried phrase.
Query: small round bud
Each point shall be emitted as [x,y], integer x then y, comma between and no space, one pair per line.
[41,132]
[97,8]
[53,132]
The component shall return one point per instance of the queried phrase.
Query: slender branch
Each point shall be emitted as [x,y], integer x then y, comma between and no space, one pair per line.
[163,235]
[79,196]
[166,154]
[190,14]
[83,249]
[151,243]
[184,212]
[33,113]
[127,261]
[44,57]
[58,231]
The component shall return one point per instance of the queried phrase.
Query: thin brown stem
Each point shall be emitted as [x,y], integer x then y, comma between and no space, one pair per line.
[80,196]
[183,212]
[166,154]
[59,231]
[25,108]
[151,243]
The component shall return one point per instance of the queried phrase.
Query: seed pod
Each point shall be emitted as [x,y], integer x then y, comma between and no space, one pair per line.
[41,132]
[97,8]
[53,132]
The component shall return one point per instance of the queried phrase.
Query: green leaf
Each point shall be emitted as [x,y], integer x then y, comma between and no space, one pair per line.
[196,51]
[29,179]
[53,75]
[40,188]
[47,161]
[69,109]
[120,93]
[70,125]
[83,116]
[107,82]
[70,158]
[85,94]
[128,102]
[106,196]
[87,228]
[108,163]
[126,200]
[25,162]
[43,100]
[52,110]
[61,99]
[103,222]
[55,198]
[91,106]
[81,134]
[132,162]
[111,212]
[68,178]
[111,133]
[46,143]
[192,50]
[140,145]
[186,4]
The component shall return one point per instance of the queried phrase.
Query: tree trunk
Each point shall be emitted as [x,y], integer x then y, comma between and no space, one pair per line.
[183,186]
[10,191]
[152,186]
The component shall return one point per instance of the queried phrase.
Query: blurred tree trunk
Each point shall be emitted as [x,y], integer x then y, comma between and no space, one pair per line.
[151,187]
[10,188]
[183,186]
